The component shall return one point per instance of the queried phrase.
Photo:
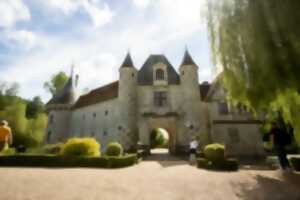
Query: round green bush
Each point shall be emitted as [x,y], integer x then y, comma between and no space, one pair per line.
[114,149]
[214,152]
[81,147]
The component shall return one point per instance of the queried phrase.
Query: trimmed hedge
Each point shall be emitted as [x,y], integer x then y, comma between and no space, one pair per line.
[295,161]
[203,163]
[81,147]
[226,165]
[67,161]
[114,149]
[122,161]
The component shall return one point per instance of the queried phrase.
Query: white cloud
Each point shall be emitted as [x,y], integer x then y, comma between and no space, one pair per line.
[18,39]
[99,12]
[98,53]
[99,16]
[13,11]
[141,3]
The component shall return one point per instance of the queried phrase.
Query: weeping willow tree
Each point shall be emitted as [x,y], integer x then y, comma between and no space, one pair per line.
[257,42]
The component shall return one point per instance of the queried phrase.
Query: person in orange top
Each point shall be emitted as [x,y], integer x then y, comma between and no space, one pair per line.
[5,135]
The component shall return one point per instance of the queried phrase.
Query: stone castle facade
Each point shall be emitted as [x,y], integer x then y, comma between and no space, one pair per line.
[155,96]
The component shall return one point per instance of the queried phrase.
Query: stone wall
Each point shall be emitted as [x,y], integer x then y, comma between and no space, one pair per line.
[58,128]
[240,139]
[101,121]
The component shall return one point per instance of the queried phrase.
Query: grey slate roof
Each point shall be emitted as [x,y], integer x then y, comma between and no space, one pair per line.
[145,74]
[67,95]
[127,61]
[187,59]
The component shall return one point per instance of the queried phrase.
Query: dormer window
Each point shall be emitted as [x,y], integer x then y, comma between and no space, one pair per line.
[160,74]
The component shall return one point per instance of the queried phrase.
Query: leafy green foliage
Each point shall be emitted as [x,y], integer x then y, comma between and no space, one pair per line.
[257,44]
[56,83]
[35,107]
[81,147]
[114,149]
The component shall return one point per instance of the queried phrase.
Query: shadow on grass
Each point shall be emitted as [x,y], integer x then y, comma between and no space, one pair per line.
[267,188]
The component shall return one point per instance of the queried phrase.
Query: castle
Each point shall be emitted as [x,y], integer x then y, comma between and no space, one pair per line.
[155,96]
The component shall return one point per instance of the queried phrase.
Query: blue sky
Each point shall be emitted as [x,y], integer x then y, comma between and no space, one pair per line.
[41,37]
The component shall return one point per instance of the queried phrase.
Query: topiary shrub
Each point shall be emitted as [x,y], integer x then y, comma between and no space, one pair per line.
[81,147]
[114,149]
[215,153]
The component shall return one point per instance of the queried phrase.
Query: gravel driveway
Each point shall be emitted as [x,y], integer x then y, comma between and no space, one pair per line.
[152,180]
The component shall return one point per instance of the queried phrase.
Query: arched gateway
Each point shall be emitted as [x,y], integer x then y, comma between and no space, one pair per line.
[151,123]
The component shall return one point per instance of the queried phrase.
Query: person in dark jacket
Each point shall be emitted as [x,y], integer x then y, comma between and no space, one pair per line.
[279,138]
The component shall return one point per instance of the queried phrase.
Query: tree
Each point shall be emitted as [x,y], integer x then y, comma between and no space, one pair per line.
[56,83]
[28,132]
[34,107]
[10,89]
[258,45]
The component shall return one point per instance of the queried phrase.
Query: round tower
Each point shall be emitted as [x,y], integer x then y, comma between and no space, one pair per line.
[191,95]
[128,102]
[59,110]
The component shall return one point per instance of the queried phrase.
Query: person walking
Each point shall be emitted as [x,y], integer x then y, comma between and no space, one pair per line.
[193,150]
[5,135]
[278,138]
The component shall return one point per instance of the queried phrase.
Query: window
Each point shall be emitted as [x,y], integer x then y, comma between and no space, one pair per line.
[105,133]
[106,112]
[51,120]
[94,115]
[233,135]
[160,74]
[223,108]
[160,99]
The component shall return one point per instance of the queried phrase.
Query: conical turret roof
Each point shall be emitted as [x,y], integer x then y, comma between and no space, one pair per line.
[187,59]
[127,61]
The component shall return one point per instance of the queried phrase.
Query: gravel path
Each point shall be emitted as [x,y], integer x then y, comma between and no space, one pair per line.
[158,179]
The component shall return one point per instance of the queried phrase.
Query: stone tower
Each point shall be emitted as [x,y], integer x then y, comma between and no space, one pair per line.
[128,102]
[191,96]
[60,110]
